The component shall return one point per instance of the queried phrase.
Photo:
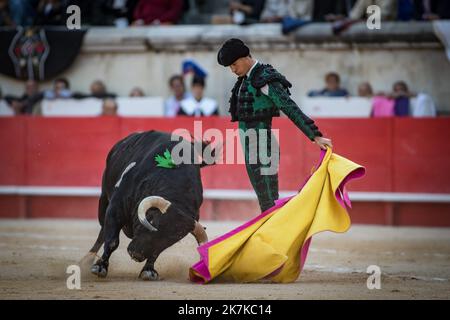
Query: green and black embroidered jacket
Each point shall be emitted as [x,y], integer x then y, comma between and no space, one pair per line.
[248,103]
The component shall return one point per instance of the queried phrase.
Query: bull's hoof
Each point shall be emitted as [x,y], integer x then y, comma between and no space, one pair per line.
[99,270]
[149,275]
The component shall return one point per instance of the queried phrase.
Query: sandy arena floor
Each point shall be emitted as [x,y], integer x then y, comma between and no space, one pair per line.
[415,264]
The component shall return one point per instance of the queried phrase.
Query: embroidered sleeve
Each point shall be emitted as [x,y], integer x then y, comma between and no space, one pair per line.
[281,97]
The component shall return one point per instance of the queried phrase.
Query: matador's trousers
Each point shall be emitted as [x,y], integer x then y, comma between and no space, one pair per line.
[265,185]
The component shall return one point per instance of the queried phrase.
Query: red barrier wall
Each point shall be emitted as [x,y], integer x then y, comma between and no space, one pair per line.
[400,155]
[13,151]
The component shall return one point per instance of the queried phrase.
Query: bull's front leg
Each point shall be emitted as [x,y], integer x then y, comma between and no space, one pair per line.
[148,271]
[112,229]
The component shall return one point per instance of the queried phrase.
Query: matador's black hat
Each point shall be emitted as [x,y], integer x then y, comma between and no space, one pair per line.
[232,50]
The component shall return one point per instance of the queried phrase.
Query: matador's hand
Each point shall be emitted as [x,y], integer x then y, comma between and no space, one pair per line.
[323,142]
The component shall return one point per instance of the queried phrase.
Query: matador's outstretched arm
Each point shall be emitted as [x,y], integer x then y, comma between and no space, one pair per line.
[281,97]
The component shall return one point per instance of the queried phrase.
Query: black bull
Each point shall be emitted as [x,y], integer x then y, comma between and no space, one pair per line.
[155,207]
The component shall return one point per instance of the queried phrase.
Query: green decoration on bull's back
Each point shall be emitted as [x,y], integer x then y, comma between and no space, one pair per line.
[165,161]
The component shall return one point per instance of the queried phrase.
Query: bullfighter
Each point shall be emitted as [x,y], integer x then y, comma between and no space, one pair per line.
[259,94]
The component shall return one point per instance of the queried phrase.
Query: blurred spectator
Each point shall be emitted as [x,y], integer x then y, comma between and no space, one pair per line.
[172,104]
[23,12]
[439,9]
[109,107]
[50,12]
[137,92]
[388,11]
[113,12]
[5,16]
[191,66]
[401,96]
[157,12]
[424,106]
[332,87]
[206,12]
[387,7]
[246,11]
[301,9]
[431,9]
[106,12]
[405,10]
[331,10]
[61,90]
[98,90]
[198,105]
[423,10]
[299,14]
[275,10]
[382,106]
[365,90]
[29,101]
[398,103]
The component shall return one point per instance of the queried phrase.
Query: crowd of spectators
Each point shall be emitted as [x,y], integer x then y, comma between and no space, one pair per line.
[30,101]
[384,104]
[180,103]
[292,13]
[193,102]
[99,12]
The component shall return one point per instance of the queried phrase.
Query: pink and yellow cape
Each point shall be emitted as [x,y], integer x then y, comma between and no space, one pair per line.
[274,245]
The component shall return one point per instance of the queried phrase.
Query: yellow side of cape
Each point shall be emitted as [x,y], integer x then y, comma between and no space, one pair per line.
[271,247]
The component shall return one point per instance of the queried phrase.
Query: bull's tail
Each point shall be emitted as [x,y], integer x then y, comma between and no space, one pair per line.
[98,243]
[88,259]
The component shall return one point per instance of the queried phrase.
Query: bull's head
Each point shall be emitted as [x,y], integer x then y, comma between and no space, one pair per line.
[139,248]
[163,205]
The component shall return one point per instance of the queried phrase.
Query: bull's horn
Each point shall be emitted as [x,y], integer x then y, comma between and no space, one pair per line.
[199,233]
[151,202]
